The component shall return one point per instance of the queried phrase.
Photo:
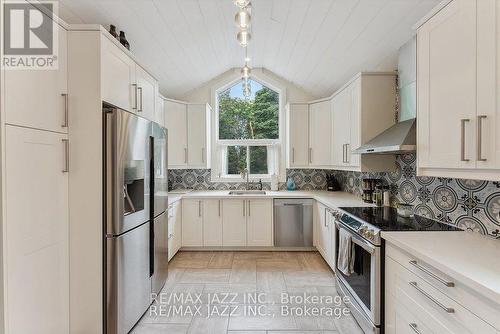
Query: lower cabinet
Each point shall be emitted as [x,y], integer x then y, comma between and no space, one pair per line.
[325,233]
[212,222]
[36,227]
[260,222]
[416,302]
[174,228]
[192,223]
[234,222]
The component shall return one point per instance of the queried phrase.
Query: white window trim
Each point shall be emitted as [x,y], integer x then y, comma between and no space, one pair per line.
[217,172]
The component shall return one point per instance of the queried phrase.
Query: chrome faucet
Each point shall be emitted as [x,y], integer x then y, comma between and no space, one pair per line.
[244,175]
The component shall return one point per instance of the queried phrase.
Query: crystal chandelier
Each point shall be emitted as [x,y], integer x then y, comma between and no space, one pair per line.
[242,19]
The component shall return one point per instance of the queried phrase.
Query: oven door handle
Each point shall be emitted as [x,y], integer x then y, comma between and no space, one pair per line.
[357,240]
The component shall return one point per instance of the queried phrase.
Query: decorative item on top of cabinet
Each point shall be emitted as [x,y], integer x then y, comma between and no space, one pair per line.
[112,31]
[123,40]
[458,95]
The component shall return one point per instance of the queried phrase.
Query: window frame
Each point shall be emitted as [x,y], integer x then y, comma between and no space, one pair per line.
[219,166]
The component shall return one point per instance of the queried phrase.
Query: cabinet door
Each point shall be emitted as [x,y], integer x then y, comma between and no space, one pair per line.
[446,92]
[353,160]
[36,232]
[323,235]
[176,123]
[197,135]
[212,222]
[170,212]
[160,111]
[298,134]
[488,81]
[320,134]
[37,98]
[192,223]
[234,231]
[177,238]
[333,240]
[146,93]
[118,77]
[342,106]
[260,222]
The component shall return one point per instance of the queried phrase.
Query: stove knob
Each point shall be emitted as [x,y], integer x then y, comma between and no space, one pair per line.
[362,230]
[369,234]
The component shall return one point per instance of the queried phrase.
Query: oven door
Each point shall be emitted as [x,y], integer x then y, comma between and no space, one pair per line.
[363,287]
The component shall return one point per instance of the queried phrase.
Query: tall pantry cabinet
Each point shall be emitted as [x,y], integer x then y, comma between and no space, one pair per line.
[35,216]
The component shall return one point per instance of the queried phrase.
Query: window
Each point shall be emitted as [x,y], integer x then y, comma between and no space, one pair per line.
[248,135]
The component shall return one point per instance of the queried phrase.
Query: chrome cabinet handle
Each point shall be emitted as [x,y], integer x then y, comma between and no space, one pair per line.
[135,96]
[414,327]
[248,208]
[66,155]
[199,208]
[293,155]
[65,122]
[219,207]
[480,137]
[140,91]
[203,154]
[244,208]
[462,139]
[346,153]
[310,155]
[185,155]
[432,299]
[430,273]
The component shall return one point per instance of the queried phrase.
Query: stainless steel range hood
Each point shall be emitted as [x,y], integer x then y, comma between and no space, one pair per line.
[399,138]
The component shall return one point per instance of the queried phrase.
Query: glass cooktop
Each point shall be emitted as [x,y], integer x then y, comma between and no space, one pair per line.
[387,219]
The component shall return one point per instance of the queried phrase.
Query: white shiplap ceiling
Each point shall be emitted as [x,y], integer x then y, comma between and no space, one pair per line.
[315,44]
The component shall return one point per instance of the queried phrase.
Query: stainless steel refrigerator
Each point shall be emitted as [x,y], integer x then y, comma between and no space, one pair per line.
[136,226]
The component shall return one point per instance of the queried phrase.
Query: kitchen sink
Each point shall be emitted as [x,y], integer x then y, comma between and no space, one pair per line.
[247,192]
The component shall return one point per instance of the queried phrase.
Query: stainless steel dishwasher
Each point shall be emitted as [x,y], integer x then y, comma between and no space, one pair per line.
[293,222]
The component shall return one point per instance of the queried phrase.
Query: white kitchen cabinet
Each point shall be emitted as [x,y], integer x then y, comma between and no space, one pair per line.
[446,98]
[320,134]
[38,98]
[412,301]
[298,134]
[260,222]
[234,231]
[176,123]
[192,223]
[363,109]
[323,242]
[197,127]
[160,110]
[174,228]
[212,222]
[36,225]
[146,93]
[117,76]
[458,77]
[188,126]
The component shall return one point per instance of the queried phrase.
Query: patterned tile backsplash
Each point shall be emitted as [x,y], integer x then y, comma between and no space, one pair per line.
[469,204]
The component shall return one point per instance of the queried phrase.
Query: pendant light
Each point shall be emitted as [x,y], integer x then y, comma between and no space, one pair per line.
[246,71]
[246,88]
[241,3]
[242,19]
[244,37]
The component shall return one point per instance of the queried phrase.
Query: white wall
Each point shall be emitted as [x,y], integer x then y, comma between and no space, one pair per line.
[206,92]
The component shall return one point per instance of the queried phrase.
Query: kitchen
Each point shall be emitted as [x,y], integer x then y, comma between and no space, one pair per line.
[227,166]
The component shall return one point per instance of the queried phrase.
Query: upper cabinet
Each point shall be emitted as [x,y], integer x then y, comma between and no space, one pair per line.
[458,91]
[322,134]
[188,133]
[39,98]
[124,83]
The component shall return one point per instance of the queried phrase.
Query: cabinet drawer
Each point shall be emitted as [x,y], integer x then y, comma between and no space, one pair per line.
[460,293]
[440,308]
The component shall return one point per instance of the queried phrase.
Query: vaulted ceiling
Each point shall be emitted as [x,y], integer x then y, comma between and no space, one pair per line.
[315,44]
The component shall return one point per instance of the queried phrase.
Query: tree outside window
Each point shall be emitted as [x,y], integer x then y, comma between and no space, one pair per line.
[248,129]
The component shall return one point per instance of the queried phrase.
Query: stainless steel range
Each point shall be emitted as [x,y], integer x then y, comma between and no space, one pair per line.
[362,281]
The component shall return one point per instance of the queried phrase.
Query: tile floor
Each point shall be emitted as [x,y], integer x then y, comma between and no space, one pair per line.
[248,293]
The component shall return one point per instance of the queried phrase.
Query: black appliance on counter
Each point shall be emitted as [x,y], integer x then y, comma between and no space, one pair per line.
[332,183]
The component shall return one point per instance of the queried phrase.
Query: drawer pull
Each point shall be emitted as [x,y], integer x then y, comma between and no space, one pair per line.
[430,273]
[414,327]
[432,299]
